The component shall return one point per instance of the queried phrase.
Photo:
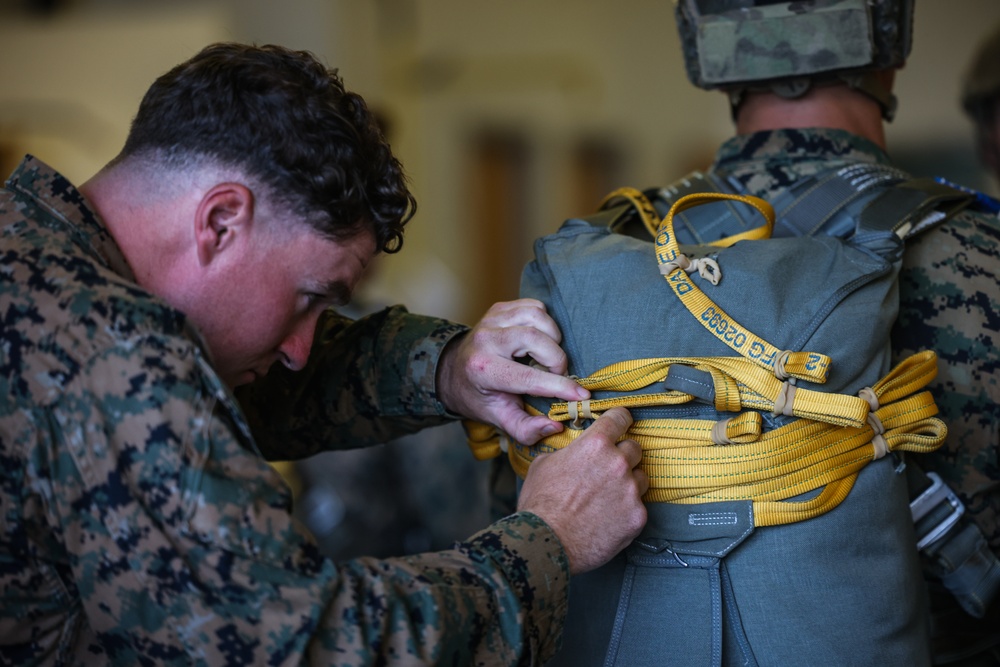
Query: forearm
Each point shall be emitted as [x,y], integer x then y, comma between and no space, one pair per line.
[367,381]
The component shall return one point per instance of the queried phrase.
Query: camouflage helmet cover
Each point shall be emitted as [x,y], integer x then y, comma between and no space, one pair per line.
[732,44]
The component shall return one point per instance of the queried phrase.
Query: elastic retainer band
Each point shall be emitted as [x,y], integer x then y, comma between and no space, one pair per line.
[879,445]
[719,429]
[785,399]
[779,365]
[578,411]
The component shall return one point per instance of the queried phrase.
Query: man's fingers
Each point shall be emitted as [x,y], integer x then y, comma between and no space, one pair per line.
[521,313]
[641,480]
[501,374]
[612,424]
[481,375]
[529,430]
[526,341]
[490,348]
[588,495]
[632,451]
[536,382]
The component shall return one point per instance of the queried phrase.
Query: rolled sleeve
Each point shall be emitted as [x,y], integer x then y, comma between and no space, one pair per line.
[368,381]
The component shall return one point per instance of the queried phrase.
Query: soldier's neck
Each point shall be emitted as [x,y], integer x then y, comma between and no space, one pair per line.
[835,107]
[143,226]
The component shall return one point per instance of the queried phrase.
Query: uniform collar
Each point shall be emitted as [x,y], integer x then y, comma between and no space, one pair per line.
[54,192]
[798,145]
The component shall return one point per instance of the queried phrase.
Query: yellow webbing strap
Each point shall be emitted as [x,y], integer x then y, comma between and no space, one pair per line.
[686,464]
[738,384]
[803,365]
[650,219]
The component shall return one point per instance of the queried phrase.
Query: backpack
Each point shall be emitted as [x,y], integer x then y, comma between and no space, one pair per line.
[754,354]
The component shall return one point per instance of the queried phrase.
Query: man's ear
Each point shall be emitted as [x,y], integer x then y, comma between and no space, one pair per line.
[224,214]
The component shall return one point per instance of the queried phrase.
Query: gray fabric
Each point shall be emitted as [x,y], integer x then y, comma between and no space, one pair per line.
[702,586]
[727,594]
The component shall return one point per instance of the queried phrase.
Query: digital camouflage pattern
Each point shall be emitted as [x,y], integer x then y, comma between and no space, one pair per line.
[949,303]
[395,499]
[139,523]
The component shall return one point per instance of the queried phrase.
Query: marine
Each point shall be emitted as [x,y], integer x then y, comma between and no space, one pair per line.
[810,86]
[170,324]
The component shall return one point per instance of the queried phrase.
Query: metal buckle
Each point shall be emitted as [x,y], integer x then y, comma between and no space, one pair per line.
[933,496]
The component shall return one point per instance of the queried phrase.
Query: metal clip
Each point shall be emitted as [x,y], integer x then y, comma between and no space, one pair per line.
[937,493]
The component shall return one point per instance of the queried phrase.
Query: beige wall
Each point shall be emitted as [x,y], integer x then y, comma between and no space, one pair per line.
[70,84]
[554,71]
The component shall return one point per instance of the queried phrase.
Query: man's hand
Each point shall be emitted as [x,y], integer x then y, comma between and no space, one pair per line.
[479,378]
[589,492]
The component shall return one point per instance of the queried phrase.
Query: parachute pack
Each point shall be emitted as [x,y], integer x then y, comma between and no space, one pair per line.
[752,348]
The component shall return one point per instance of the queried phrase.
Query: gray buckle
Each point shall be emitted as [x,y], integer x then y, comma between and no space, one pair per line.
[937,493]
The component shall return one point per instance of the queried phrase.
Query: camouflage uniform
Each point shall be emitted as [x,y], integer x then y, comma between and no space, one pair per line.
[393,499]
[140,524]
[950,303]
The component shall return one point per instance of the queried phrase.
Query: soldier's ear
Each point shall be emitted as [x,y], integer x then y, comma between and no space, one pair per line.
[223,218]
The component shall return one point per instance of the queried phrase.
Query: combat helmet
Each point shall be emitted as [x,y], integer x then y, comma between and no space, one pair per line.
[787,47]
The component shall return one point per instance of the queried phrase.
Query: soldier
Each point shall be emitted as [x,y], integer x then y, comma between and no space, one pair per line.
[810,86]
[140,522]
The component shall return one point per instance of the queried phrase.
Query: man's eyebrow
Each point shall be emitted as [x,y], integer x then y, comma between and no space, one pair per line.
[336,291]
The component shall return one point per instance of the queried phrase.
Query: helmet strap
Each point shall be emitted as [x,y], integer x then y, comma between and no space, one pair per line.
[870,84]
[863,82]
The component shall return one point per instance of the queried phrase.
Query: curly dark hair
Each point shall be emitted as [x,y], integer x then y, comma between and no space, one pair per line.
[284,119]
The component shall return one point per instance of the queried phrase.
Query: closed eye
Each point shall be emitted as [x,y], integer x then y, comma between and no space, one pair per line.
[338,295]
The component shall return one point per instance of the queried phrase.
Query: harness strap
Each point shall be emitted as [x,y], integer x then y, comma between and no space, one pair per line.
[925,201]
[700,226]
[840,202]
[650,218]
[802,365]
[738,384]
[813,206]
[686,463]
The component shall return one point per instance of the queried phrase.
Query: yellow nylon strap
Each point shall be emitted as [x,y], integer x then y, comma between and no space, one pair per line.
[803,365]
[655,434]
[914,372]
[629,375]
[561,411]
[775,513]
[808,403]
[685,465]
[738,384]
[651,220]
[784,462]
[641,203]
[727,391]
[908,410]
[483,439]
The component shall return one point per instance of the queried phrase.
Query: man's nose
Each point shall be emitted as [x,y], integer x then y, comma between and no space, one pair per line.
[295,348]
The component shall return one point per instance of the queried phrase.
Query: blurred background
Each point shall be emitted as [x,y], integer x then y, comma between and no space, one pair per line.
[508,117]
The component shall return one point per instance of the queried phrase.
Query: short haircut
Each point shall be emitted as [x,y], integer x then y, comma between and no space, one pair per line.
[286,121]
